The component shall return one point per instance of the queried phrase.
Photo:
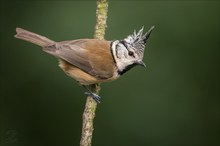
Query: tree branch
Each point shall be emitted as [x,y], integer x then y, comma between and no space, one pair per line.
[90,106]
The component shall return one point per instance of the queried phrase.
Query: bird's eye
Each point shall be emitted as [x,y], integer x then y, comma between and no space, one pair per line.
[130,53]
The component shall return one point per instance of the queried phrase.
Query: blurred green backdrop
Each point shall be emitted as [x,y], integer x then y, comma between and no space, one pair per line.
[175,102]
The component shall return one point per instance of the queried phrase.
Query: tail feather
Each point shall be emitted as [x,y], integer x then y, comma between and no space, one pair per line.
[32,37]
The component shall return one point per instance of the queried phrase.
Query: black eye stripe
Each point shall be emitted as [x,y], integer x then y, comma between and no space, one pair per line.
[130,53]
[124,43]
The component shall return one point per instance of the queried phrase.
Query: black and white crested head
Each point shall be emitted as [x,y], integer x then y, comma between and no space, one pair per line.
[138,40]
[129,52]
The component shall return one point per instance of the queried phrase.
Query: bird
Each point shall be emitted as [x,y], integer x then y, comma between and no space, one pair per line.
[92,61]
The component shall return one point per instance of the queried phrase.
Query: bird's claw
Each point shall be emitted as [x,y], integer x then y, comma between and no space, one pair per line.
[94,96]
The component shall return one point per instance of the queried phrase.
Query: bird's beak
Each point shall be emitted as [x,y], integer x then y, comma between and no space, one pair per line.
[141,63]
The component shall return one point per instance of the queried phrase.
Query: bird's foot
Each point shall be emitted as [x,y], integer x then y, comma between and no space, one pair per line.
[94,96]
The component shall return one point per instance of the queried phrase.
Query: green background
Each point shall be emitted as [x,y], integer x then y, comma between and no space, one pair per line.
[175,102]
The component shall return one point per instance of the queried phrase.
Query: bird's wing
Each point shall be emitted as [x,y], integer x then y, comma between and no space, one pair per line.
[90,55]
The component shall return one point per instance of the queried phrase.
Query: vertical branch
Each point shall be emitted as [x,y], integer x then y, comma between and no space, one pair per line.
[101,18]
[90,106]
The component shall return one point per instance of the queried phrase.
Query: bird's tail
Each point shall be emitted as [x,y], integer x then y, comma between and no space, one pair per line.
[33,37]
